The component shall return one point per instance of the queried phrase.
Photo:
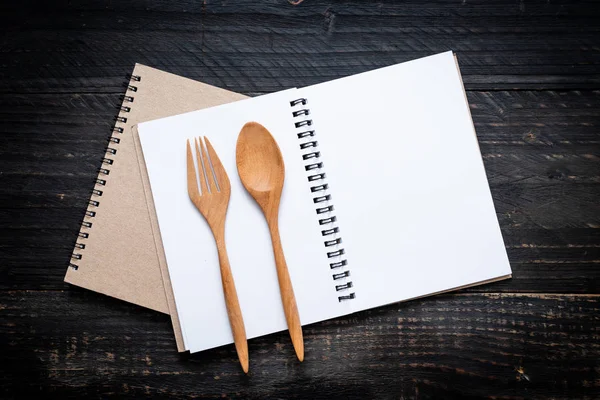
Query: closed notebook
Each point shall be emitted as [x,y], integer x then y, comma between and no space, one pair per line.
[385,199]
[116,252]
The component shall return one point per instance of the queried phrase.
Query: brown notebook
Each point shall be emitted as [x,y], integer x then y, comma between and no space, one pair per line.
[116,250]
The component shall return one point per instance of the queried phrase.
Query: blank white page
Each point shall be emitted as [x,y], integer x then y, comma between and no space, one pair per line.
[189,245]
[407,181]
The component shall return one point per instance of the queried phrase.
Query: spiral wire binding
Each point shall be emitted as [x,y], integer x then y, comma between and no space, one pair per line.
[112,140]
[316,176]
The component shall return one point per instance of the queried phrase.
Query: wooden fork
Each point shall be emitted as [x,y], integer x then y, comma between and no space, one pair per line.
[212,203]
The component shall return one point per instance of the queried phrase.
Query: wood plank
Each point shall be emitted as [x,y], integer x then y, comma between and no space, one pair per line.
[518,205]
[469,345]
[275,46]
[547,119]
[550,250]
[514,117]
[540,151]
[277,71]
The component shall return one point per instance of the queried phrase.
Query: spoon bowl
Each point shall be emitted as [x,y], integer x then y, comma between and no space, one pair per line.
[259,161]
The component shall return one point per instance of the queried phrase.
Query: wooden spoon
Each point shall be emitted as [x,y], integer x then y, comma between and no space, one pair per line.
[262,172]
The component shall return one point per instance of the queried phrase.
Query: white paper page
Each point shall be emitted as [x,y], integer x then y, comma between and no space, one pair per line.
[407,179]
[189,245]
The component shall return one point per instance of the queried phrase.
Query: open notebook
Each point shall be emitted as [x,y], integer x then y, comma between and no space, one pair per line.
[387,161]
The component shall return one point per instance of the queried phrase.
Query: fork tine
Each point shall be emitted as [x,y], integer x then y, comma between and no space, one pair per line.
[201,169]
[207,169]
[220,172]
[191,174]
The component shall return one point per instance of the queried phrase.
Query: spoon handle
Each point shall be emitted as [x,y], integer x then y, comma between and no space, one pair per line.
[287,293]
[233,307]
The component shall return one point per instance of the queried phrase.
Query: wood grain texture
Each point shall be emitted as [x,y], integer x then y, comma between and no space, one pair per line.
[531,69]
[212,200]
[261,169]
[274,45]
[75,342]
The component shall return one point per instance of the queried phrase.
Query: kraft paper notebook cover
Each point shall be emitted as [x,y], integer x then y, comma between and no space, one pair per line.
[385,200]
[116,252]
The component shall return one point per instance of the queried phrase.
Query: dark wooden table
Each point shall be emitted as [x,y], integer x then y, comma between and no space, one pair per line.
[532,71]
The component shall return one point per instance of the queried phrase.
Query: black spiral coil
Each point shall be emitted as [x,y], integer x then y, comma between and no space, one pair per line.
[93,203]
[316,176]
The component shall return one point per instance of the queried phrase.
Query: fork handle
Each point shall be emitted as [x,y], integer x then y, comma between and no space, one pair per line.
[233,306]
[287,293]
